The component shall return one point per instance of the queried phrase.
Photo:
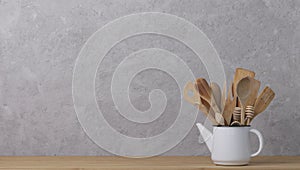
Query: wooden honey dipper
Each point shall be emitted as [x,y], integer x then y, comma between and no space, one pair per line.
[249,111]
[236,116]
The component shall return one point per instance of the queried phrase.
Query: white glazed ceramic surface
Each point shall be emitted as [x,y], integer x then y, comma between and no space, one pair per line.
[231,145]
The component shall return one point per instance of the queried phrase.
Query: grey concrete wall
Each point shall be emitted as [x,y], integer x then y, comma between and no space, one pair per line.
[40,40]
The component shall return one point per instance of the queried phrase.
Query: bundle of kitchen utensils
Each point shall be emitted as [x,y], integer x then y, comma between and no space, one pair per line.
[241,104]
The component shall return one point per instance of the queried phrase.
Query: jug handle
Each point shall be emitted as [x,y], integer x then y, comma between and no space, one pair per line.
[260,139]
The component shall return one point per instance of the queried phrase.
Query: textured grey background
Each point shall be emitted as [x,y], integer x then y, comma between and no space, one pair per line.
[40,40]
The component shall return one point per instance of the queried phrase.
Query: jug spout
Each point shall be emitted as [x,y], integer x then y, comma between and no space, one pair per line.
[206,135]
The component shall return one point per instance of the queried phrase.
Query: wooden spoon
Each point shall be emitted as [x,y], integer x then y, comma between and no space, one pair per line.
[263,100]
[205,93]
[240,73]
[247,89]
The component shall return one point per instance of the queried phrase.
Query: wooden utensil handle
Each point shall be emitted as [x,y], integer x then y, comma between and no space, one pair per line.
[218,116]
[242,115]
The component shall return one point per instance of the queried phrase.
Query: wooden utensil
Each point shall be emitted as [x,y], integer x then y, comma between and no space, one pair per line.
[249,111]
[247,89]
[206,103]
[217,94]
[223,98]
[263,100]
[229,106]
[203,88]
[196,100]
[218,116]
[210,113]
[240,73]
[254,86]
[236,117]
[205,93]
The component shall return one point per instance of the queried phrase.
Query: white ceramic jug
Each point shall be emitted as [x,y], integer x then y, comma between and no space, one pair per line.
[230,145]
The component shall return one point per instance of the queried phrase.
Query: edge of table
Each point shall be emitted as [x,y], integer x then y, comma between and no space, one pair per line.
[160,162]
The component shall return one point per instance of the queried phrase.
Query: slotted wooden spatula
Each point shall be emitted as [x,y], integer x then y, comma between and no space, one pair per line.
[263,100]
[196,100]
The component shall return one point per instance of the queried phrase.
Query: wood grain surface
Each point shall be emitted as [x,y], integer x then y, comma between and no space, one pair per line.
[154,163]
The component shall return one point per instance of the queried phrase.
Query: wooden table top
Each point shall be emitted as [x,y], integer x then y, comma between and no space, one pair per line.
[154,163]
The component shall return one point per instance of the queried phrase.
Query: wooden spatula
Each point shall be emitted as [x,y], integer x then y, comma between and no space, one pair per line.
[263,100]
[196,100]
